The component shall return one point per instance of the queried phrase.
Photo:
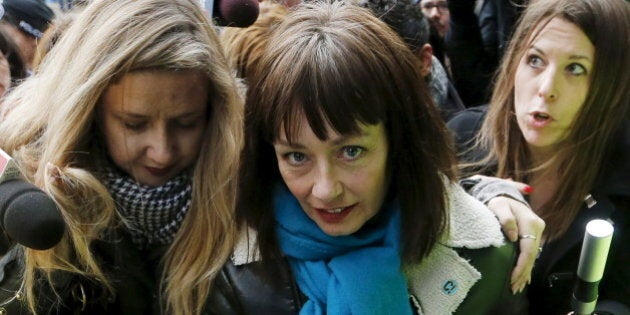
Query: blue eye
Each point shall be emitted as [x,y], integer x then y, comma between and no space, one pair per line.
[352,152]
[576,69]
[295,158]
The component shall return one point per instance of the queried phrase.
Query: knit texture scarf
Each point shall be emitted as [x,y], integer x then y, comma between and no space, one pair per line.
[353,274]
[152,214]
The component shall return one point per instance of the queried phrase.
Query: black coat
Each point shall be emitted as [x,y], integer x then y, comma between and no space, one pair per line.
[132,273]
[475,45]
[553,276]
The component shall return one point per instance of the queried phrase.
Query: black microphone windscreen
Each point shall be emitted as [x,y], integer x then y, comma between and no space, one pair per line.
[235,13]
[29,216]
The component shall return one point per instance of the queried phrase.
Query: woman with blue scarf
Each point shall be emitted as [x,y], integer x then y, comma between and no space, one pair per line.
[347,196]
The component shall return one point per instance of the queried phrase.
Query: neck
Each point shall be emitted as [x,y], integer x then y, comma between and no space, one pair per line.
[539,155]
[544,178]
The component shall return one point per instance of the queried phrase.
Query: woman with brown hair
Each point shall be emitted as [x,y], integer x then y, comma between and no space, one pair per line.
[558,121]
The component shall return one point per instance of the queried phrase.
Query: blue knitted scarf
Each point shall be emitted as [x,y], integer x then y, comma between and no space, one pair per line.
[353,274]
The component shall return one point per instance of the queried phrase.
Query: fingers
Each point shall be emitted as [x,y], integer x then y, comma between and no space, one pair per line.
[502,209]
[522,187]
[521,275]
[518,219]
[530,228]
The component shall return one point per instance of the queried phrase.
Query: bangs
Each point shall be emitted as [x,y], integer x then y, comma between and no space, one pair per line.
[329,82]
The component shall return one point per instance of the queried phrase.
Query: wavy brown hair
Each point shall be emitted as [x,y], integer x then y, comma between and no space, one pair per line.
[605,23]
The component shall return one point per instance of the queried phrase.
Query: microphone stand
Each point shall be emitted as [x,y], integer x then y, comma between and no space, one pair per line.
[597,238]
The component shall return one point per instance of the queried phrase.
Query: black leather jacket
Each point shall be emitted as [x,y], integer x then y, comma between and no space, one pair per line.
[132,275]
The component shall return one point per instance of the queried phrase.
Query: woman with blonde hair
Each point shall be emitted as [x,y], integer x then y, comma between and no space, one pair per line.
[132,124]
[558,121]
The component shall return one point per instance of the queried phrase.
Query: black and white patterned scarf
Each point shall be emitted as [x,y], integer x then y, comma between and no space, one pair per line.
[152,214]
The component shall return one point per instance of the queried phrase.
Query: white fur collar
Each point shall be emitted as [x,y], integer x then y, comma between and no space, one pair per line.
[471,224]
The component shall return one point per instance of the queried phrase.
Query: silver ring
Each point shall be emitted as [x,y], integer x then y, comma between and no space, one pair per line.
[529,236]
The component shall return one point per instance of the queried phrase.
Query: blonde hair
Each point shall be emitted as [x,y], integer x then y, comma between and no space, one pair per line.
[590,138]
[51,128]
[53,32]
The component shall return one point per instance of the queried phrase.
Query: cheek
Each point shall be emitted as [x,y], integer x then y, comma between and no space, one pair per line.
[294,182]
[521,87]
[191,144]
[118,148]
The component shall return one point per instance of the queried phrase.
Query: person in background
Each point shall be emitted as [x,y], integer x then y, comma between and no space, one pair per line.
[438,14]
[439,17]
[559,121]
[26,21]
[476,44]
[132,124]
[407,20]
[58,25]
[347,191]
[245,46]
[12,68]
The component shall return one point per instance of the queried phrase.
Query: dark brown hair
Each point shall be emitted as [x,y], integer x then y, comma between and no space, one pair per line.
[338,65]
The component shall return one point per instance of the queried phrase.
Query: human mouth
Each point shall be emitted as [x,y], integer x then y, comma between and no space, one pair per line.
[540,119]
[337,210]
[334,215]
[158,171]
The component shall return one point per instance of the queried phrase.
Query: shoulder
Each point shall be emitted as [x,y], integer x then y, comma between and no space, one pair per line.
[249,285]
[467,271]
[467,122]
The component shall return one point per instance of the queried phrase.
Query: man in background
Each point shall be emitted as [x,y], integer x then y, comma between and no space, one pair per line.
[26,21]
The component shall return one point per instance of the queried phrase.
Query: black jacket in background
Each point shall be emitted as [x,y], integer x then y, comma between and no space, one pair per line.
[475,45]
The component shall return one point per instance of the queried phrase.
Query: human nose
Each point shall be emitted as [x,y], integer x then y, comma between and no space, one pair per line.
[326,186]
[548,88]
[161,148]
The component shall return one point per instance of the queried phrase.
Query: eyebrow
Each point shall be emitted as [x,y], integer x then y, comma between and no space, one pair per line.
[337,141]
[572,57]
[122,114]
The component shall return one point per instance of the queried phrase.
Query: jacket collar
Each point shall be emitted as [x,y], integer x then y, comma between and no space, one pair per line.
[471,224]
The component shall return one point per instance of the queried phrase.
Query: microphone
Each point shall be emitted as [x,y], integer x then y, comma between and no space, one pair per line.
[597,238]
[27,214]
[232,13]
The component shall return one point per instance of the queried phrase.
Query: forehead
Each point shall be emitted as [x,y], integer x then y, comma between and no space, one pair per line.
[564,35]
[151,92]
